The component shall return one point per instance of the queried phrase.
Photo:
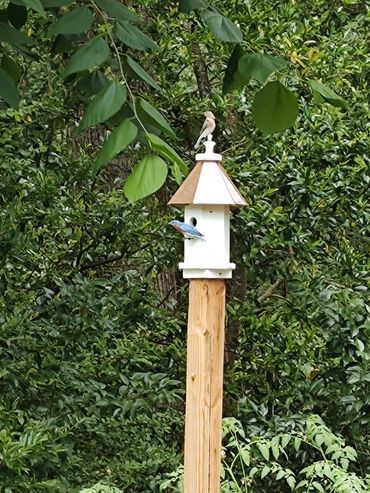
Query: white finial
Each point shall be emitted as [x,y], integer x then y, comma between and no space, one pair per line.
[209,155]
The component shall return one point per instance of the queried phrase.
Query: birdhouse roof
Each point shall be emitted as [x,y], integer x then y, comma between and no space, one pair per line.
[208,184]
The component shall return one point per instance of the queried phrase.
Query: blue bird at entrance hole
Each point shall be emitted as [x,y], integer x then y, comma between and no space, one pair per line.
[188,231]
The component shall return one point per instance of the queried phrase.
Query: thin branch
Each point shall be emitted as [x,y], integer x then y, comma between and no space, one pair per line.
[270,291]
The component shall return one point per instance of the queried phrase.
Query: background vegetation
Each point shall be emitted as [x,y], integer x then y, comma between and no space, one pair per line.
[92,308]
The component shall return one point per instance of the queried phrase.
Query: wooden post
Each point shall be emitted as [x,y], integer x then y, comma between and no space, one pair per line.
[205,355]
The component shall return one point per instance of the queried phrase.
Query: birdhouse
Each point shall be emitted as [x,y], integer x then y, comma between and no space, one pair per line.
[208,194]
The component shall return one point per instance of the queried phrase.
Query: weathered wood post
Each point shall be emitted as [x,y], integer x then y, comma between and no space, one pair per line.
[207,194]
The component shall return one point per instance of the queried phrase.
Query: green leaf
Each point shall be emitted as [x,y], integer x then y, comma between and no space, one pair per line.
[318,486]
[264,449]
[222,27]
[35,5]
[274,108]
[148,114]
[297,443]
[133,69]
[134,38]
[258,66]
[178,167]
[328,94]
[291,481]
[91,54]
[8,90]
[117,10]
[76,21]
[16,14]
[189,5]
[265,471]
[246,457]
[92,82]
[285,439]
[50,4]
[116,142]
[233,79]
[104,105]
[146,178]
[12,36]
[9,65]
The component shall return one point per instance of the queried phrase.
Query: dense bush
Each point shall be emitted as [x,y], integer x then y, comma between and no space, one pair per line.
[92,315]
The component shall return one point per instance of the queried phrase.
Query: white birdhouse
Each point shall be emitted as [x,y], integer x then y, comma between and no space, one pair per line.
[208,194]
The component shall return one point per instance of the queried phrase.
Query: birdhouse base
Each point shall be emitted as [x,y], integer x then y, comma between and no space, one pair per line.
[216,272]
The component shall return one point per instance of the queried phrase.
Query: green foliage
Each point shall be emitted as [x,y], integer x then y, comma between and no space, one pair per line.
[92,312]
[101,488]
[267,464]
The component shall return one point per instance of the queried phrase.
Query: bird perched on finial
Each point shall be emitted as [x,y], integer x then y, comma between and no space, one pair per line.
[208,127]
[188,231]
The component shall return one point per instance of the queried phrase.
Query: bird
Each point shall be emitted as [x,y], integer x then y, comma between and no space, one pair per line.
[208,127]
[188,231]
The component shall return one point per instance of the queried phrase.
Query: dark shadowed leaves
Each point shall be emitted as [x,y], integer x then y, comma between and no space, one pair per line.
[8,89]
[233,79]
[17,14]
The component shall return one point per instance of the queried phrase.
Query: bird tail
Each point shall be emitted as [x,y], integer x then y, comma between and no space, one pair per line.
[196,145]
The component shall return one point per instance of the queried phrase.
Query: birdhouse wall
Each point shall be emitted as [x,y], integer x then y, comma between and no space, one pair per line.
[209,258]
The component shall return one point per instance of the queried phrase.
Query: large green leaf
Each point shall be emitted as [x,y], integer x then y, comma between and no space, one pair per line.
[189,5]
[258,66]
[233,79]
[328,94]
[116,142]
[76,21]
[35,5]
[274,108]
[12,36]
[178,167]
[92,83]
[134,38]
[49,4]
[102,106]
[148,114]
[117,10]
[9,65]
[133,69]
[222,27]
[91,54]
[8,89]
[146,178]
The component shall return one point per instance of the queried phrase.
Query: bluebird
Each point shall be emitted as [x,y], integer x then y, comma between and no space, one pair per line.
[187,230]
[208,127]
